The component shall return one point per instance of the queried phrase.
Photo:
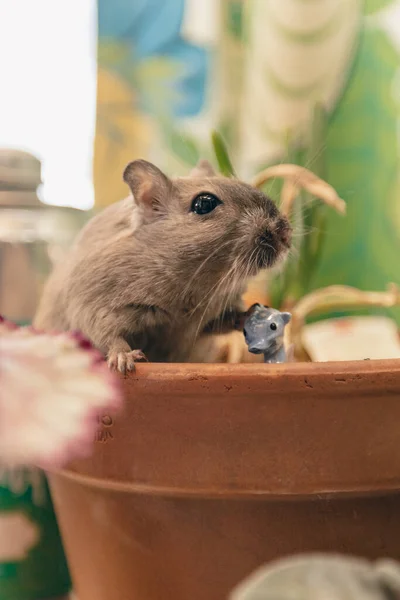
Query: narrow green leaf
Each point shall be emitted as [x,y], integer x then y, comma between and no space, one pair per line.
[235,18]
[276,291]
[285,283]
[222,156]
[316,155]
[313,211]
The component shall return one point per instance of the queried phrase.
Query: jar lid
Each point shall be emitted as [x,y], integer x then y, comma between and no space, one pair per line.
[20,199]
[19,171]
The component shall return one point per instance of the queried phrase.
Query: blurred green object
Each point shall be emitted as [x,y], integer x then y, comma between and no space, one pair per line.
[32,561]
[363,160]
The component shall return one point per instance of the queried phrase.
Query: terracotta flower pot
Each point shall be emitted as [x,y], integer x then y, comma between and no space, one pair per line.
[214,469]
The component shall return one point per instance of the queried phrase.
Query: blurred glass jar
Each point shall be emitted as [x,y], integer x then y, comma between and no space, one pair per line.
[33,235]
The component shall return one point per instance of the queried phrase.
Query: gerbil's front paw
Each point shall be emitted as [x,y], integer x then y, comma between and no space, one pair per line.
[125,361]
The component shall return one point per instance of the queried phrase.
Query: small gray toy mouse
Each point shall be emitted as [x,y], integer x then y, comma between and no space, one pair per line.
[264,330]
[151,274]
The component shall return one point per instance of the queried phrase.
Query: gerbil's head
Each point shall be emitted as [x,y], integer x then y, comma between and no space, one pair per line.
[205,227]
[264,328]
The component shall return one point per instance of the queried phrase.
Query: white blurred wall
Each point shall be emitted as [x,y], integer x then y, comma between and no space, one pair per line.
[48,91]
[48,86]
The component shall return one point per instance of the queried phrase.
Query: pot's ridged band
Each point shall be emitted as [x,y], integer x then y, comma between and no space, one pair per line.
[163,491]
[270,432]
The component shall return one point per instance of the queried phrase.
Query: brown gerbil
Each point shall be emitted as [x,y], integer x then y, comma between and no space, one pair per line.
[153,272]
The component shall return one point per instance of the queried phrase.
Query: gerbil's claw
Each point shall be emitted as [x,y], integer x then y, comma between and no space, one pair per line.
[124,362]
[138,356]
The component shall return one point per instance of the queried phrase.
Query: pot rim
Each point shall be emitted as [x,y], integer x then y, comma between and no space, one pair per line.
[110,485]
[183,371]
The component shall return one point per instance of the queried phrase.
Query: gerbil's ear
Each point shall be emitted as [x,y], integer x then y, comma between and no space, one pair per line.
[286,317]
[149,186]
[203,169]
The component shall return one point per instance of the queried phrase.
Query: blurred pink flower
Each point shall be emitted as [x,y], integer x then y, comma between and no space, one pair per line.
[53,387]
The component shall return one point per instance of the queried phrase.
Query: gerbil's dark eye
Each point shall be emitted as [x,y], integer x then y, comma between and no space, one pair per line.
[204,204]
[273,326]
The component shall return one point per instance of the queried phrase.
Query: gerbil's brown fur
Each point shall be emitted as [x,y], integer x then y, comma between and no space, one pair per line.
[148,273]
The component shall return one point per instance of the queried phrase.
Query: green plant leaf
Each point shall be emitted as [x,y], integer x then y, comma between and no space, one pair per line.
[277,290]
[235,18]
[285,283]
[222,156]
[314,222]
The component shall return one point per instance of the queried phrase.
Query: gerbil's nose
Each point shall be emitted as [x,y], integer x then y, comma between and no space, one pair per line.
[284,231]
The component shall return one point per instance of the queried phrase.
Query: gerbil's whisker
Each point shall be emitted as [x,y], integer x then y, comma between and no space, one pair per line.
[218,284]
[202,265]
[315,156]
[213,294]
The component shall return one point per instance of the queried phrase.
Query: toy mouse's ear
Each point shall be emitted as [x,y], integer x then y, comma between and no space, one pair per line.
[149,186]
[286,317]
[203,169]
[252,308]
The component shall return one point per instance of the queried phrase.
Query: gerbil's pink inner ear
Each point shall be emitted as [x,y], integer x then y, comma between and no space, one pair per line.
[203,169]
[149,186]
